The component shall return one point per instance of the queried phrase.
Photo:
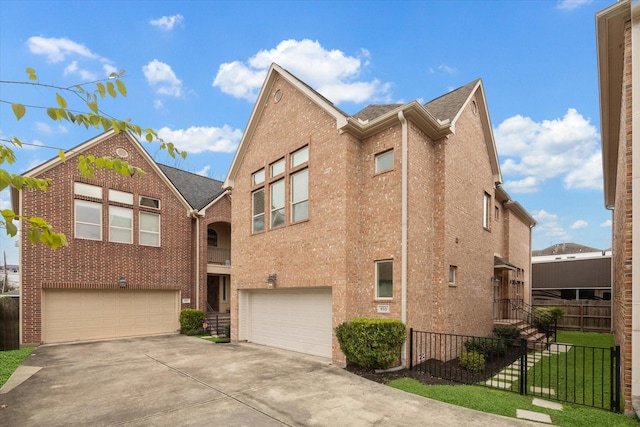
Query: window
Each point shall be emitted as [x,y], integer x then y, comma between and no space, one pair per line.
[120,224]
[452,274]
[149,202]
[486,210]
[384,161]
[299,157]
[149,229]
[277,168]
[277,203]
[384,279]
[300,195]
[258,177]
[121,197]
[212,238]
[497,213]
[88,220]
[88,190]
[225,289]
[258,210]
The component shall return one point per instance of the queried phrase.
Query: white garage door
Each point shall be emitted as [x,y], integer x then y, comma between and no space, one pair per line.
[292,319]
[81,315]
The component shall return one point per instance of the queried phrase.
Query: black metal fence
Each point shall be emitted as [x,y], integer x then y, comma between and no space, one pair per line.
[567,373]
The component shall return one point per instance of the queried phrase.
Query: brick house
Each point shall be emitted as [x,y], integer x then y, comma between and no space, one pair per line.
[140,248]
[394,212]
[618,38]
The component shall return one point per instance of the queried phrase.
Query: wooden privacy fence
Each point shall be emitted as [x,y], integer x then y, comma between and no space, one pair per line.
[9,324]
[580,315]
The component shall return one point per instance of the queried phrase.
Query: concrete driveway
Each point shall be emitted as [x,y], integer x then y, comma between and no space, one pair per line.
[178,380]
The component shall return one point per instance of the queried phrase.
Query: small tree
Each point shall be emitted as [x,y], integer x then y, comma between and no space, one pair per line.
[372,343]
[545,319]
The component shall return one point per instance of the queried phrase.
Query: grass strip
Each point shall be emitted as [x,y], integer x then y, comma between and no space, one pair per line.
[10,360]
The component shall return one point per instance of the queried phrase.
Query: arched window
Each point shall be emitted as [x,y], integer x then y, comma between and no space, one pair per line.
[212,237]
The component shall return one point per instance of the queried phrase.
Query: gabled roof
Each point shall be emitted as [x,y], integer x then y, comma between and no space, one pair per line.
[196,189]
[87,145]
[565,248]
[437,118]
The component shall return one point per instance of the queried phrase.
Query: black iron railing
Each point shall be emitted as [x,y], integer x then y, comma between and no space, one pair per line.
[581,375]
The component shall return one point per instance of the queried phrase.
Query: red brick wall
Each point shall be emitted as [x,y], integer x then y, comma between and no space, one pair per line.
[622,233]
[89,264]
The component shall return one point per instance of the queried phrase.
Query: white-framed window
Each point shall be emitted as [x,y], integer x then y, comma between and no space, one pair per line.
[149,202]
[486,209]
[277,168]
[120,197]
[384,161]
[82,189]
[258,210]
[120,224]
[300,195]
[384,279]
[149,229]
[300,156]
[496,213]
[224,290]
[453,271]
[258,177]
[88,220]
[277,203]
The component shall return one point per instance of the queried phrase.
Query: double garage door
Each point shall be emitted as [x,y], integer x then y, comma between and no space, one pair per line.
[82,315]
[291,319]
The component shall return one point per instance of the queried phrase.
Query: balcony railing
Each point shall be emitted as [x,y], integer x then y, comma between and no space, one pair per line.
[220,256]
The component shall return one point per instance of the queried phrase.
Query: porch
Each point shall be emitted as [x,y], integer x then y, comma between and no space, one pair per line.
[515,312]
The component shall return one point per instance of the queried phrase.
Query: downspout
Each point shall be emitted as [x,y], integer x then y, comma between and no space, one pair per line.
[405,192]
[635,245]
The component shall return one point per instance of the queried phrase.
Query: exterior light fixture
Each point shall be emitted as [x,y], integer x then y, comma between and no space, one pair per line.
[271,281]
[122,282]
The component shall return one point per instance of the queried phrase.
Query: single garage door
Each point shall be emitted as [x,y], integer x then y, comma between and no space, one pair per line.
[81,315]
[291,319]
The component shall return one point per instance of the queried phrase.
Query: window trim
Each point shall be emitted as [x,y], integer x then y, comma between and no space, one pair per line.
[272,209]
[149,198]
[121,228]
[486,215]
[294,202]
[79,186]
[256,179]
[118,196]
[254,216]
[141,230]
[278,162]
[98,205]
[453,273]
[377,279]
[297,152]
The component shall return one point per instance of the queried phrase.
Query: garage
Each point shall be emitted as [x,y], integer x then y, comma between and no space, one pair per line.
[291,319]
[82,315]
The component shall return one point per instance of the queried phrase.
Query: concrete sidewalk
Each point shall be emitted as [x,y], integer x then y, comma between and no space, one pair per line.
[178,380]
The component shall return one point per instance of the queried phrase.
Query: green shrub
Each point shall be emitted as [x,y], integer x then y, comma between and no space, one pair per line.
[191,321]
[545,318]
[472,361]
[227,331]
[372,343]
[488,347]
[509,334]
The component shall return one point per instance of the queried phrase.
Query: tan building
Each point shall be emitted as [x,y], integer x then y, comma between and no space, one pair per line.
[394,212]
[140,248]
[618,39]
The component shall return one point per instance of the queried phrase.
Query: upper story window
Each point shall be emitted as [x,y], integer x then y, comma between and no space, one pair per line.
[277,168]
[258,210]
[120,224]
[300,157]
[384,161]
[300,195]
[453,270]
[384,279]
[82,189]
[258,177]
[486,209]
[149,202]
[120,196]
[88,220]
[149,229]
[277,203]
[212,237]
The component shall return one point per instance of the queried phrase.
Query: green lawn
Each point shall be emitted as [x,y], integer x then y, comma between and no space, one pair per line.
[570,370]
[215,339]
[10,360]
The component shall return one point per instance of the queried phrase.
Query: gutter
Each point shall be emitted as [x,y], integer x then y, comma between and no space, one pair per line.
[405,192]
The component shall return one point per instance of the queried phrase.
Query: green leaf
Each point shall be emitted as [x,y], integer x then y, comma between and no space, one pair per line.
[61,101]
[100,87]
[11,228]
[111,89]
[18,110]
[51,112]
[121,88]
[93,105]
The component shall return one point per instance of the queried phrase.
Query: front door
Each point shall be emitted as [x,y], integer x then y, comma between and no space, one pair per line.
[213,292]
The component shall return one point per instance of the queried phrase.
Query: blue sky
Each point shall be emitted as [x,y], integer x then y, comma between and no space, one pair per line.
[194,68]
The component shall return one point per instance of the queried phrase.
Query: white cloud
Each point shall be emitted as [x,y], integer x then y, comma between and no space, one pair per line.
[579,224]
[157,104]
[549,226]
[56,50]
[73,68]
[572,4]
[566,147]
[526,185]
[331,72]
[166,23]
[109,69]
[203,139]
[607,223]
[162,78]
[204,171]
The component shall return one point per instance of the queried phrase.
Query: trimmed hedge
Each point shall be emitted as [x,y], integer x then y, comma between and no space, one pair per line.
[488,347]
[472,361]
[191,321]
[510,334]
[372,343]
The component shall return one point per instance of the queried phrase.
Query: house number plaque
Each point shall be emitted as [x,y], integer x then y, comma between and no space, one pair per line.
[384,309]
